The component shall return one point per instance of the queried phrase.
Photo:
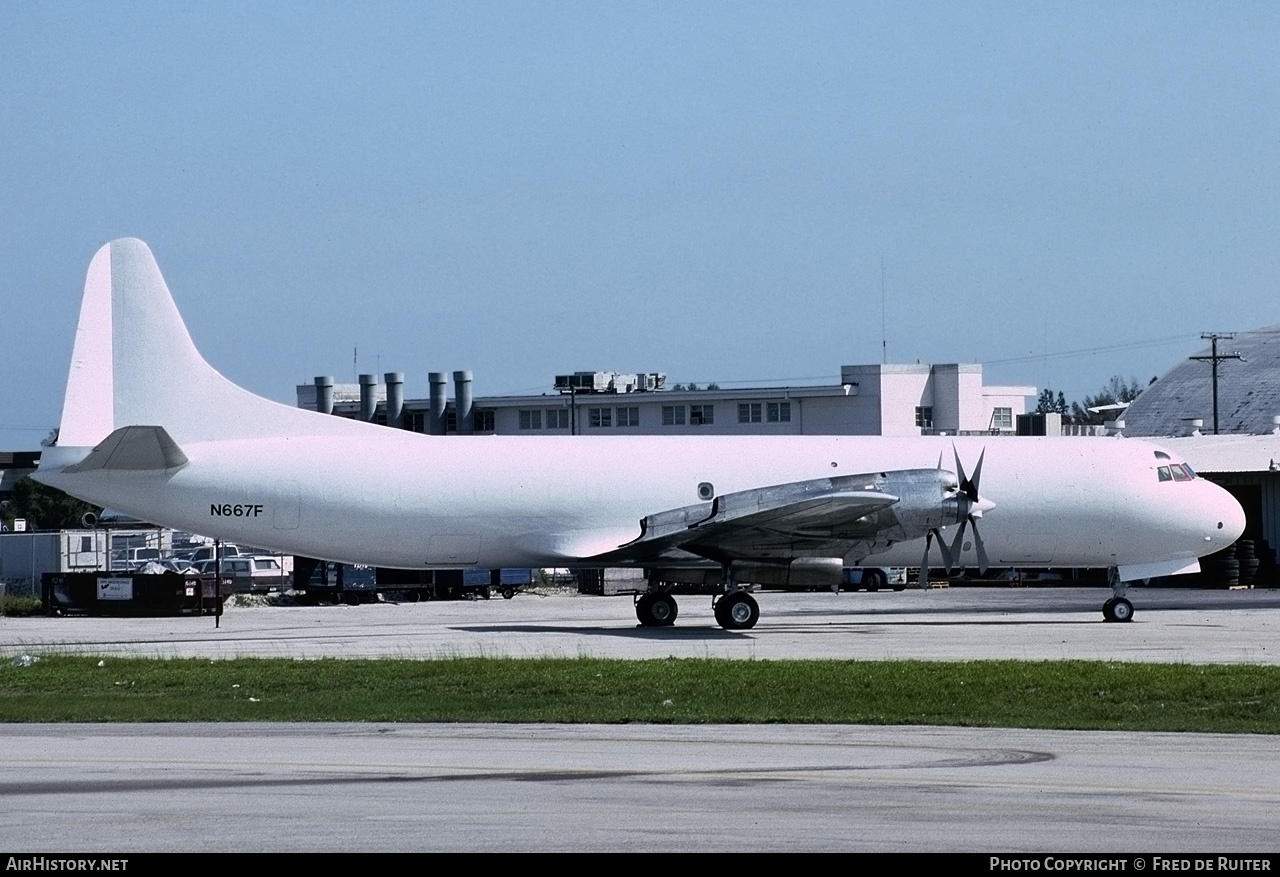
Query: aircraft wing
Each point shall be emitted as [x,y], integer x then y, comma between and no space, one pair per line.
[825,517]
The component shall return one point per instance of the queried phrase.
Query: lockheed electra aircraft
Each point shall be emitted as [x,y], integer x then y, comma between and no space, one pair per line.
[149,428]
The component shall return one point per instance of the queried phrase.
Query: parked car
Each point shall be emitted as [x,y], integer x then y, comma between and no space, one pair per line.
[873,579]
[200,555]
[133,558]
[254,574]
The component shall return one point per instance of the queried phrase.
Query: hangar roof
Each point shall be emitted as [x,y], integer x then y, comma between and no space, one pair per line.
[1228,453]
[1248,391]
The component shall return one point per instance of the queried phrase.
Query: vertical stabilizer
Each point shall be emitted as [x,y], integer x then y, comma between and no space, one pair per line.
[134,364]
[156,366]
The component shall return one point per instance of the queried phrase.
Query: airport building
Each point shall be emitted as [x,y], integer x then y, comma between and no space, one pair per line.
[891,400]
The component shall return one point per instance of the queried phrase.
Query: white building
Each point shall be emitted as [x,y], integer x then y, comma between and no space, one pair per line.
[899,400]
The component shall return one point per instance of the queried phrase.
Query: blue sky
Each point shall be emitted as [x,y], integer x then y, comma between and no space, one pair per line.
[703,189]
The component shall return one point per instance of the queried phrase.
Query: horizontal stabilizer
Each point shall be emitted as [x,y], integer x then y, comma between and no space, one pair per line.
[134,448]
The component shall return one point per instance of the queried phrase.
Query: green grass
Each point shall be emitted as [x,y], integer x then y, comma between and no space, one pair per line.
[1073,694]
[20,606]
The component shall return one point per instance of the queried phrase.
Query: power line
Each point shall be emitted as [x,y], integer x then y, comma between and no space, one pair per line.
[1109,348]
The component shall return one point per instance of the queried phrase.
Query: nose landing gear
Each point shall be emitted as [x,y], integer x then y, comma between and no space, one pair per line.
[1118,608]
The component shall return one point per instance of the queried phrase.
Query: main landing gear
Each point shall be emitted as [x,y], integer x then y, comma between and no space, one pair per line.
[656,610]
[734,610]
[1118,608]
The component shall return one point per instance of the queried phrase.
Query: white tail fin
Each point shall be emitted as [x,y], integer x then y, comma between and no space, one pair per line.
[134,365]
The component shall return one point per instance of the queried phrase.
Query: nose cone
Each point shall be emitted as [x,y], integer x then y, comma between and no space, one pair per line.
[1223,517]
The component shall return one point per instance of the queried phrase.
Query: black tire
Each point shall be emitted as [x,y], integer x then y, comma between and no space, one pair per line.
[508,593]
[874,579]
[656,610]
[1117,609]
[737,611]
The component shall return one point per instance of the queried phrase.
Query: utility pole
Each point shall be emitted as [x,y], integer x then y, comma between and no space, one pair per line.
[1214,357]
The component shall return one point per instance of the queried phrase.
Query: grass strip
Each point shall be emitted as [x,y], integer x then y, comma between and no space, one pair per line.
[1047,694]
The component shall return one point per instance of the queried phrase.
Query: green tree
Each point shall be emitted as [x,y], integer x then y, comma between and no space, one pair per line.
[1115,392]
[43,507]
[1050,404]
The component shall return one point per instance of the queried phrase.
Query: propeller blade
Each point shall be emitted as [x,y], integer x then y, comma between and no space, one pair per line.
[979,547]
[946,552]
[964,479]
[977,474]
[924,564]
[969,486]
[957,547]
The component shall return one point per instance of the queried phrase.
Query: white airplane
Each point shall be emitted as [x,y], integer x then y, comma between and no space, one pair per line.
[149,428]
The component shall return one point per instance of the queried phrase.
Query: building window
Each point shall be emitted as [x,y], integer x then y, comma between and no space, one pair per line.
[702,415]
[531,419]
[628,416]
[599,418]
[750,412]
[557,418]
[1002,418]
[924,417]
[779,412]
[673,415]
[482,421]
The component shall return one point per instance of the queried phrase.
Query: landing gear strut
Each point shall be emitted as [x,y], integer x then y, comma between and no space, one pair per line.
[1118,608]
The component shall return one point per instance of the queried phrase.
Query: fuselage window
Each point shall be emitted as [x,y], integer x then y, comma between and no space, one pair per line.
[1164,473]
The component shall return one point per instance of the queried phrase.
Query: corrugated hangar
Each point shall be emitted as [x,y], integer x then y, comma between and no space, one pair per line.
[1248,390]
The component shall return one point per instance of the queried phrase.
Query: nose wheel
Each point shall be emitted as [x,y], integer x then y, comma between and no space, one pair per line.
[1117,609]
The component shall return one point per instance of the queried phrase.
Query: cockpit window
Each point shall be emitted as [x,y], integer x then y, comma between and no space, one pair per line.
[1175,472]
